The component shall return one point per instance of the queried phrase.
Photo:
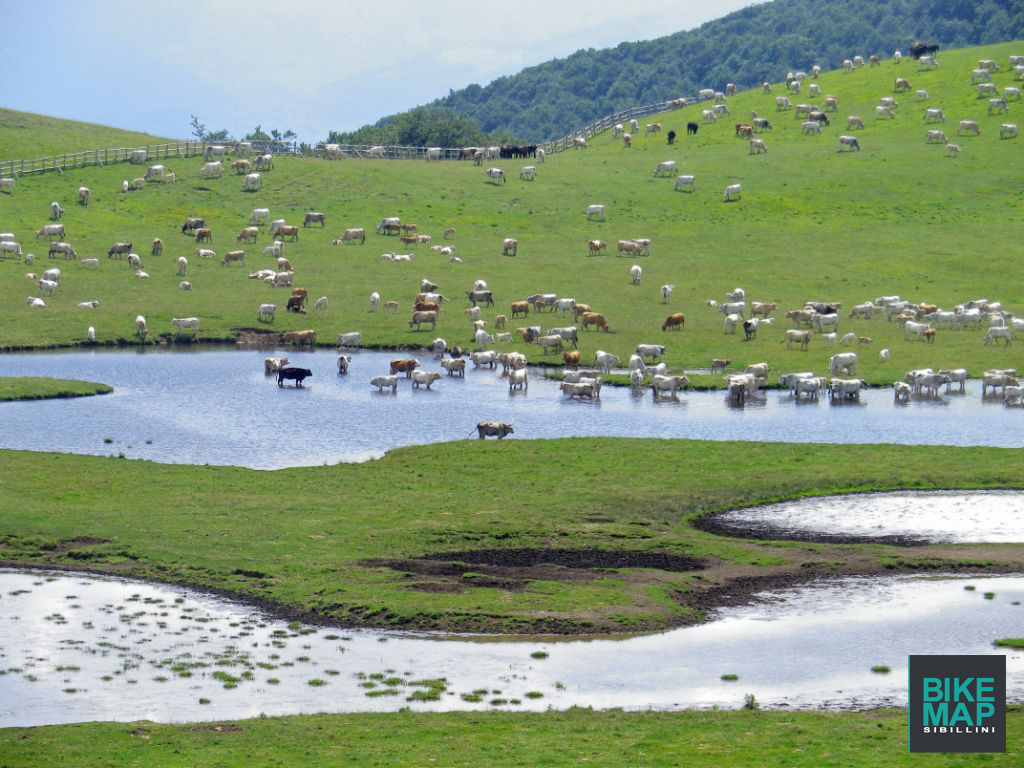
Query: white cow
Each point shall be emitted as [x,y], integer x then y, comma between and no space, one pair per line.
[434,153]
[259,216]
[493,174]
[212,170]
[267,313]
[595,211]
[1008,131]
[666,293]
[380,382]
[140,327]
[606,361]
[185,323]
[732,192]
[252,182]
[850,143]
[665,168]
[374,301]
[182,266]
[935,115]
[350,339]
[845,361]
[83,195]
[7,185]
[528,173]
[686,183]
[635,273]
[994,334]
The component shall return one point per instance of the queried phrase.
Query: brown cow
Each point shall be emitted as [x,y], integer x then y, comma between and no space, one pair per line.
[158,247]
[678,320]
[571,359]
[231,256]
[301,293]
[298,338]
[593,318]
[427,306]
[287,231]
[406,366]
[204,235]
[409,229]
[520,308]
[746,131]
[409,240]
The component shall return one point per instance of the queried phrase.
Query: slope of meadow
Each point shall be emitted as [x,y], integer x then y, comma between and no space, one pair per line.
[24,135]
[897,218]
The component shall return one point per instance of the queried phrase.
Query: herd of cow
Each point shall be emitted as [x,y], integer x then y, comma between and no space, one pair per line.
[920,321]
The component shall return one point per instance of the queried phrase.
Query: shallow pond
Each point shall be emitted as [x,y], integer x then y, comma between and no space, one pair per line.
[76,648]
[217,407]
[940,516]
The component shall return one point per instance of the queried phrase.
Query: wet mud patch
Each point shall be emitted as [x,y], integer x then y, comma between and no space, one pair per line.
[766,532]
[572,558]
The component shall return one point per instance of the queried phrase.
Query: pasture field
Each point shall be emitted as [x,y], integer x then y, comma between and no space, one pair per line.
[29,388]
[793,739]
[899,217]
[409,541]
[24,136]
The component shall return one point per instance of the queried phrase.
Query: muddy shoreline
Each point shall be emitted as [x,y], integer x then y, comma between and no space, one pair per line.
[705,599]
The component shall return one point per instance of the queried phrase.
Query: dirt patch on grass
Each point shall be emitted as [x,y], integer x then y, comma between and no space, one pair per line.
[67,545]
[572,558]
[513,569]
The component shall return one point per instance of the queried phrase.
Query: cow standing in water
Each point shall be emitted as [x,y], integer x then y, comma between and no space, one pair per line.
[496,429]
[298,375]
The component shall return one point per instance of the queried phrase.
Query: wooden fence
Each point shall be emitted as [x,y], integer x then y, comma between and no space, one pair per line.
[183,149]
[599,126]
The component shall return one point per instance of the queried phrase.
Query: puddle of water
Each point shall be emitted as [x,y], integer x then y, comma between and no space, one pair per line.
[942,516]
[81,648]
[212,407]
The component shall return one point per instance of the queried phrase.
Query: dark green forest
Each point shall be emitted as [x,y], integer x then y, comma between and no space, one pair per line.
[747,47]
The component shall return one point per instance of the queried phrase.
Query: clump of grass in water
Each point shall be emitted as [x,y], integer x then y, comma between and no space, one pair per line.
[204,701]
[108,440]
[534,695]
[1010,642]
[559,686]
[539,655]
[316,682]
[730,677]
[749,702]
[383,692]
[273,681]
[969,588]
[881,669]
[990,595]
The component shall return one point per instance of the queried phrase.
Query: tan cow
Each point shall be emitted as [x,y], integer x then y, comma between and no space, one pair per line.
[298,338]
[423,317]
[231,256]
[595,319]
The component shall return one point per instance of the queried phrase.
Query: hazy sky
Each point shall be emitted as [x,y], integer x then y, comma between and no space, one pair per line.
[308,65]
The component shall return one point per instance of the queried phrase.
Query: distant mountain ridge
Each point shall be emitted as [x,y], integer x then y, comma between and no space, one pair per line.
[747,47]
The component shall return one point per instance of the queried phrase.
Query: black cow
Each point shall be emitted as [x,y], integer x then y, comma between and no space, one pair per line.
[671,137]
[295,374]
[295,305]
[919,49]
[691,128]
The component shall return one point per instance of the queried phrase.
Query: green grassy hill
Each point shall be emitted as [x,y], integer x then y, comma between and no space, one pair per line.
[24,135]
[897,218]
